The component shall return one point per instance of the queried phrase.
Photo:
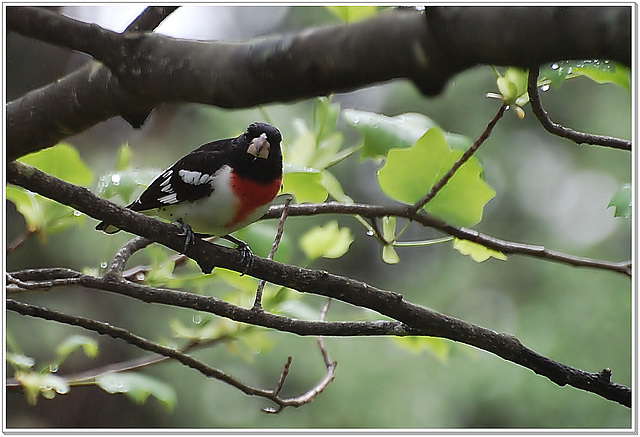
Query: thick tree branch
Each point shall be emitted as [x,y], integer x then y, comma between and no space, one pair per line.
[154,69]
[565,132]
[419,320]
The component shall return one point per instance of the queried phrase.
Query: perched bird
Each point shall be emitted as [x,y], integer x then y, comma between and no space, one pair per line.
[218,188]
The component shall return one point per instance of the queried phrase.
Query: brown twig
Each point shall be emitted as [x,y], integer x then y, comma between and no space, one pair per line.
[565,132]
[20,241]
[318,388]
[257,303]
[464,158]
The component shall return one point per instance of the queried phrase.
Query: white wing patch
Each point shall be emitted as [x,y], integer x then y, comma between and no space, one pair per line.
[195,177]
[169,198]
[165,186]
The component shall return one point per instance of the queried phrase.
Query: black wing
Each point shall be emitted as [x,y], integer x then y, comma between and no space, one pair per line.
[188,179]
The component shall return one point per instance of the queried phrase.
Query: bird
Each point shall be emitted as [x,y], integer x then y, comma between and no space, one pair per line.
[218,188]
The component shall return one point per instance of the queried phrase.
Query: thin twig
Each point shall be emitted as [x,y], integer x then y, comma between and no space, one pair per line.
[565,132]
[318,388]
[323,350]
[150,18]
[257,303]
[31,280]
[125,252]
[20,241]
[464,158]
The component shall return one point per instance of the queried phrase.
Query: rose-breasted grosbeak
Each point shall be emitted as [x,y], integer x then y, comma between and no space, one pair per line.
[218,188]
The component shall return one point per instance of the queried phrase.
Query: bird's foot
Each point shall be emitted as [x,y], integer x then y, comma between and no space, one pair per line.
[245,250]
[189,235]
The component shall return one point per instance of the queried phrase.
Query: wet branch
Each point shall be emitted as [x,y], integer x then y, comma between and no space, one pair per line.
[146,70]
[565,132]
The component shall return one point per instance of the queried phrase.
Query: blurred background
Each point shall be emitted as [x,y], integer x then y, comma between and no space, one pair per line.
[550,192]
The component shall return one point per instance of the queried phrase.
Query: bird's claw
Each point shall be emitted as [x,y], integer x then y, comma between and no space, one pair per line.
[245,251]
[247,256]
[189,235]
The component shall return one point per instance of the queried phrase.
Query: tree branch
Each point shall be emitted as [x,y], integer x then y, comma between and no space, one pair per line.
[411,319]
[404,211]
[154,69]
[142,343]
[565,132]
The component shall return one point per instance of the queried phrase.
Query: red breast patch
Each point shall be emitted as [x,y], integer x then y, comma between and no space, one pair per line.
[251,195]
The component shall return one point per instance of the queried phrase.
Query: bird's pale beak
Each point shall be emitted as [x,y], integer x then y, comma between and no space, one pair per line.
[259,147]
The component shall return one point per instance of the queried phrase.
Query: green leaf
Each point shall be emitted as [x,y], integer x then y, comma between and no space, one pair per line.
[138,387]
[389,254]
[41,214]
[32,207]
[389,229]
[621,202]
[518,77]
[478,252]
[69,345]
[38,383]
[604,72]
[600,71]
[461,201]
[326,241]
[437,346]
[305,186]
[63,162]
[350,14]
[334,188]
[325,116]
[381,133]
[408,174]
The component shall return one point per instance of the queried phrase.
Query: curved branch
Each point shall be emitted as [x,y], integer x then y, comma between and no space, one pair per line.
[565,132]
[148,69]
[144,344]
[38,279]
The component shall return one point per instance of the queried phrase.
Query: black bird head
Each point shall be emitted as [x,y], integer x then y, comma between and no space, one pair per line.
[261,153]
